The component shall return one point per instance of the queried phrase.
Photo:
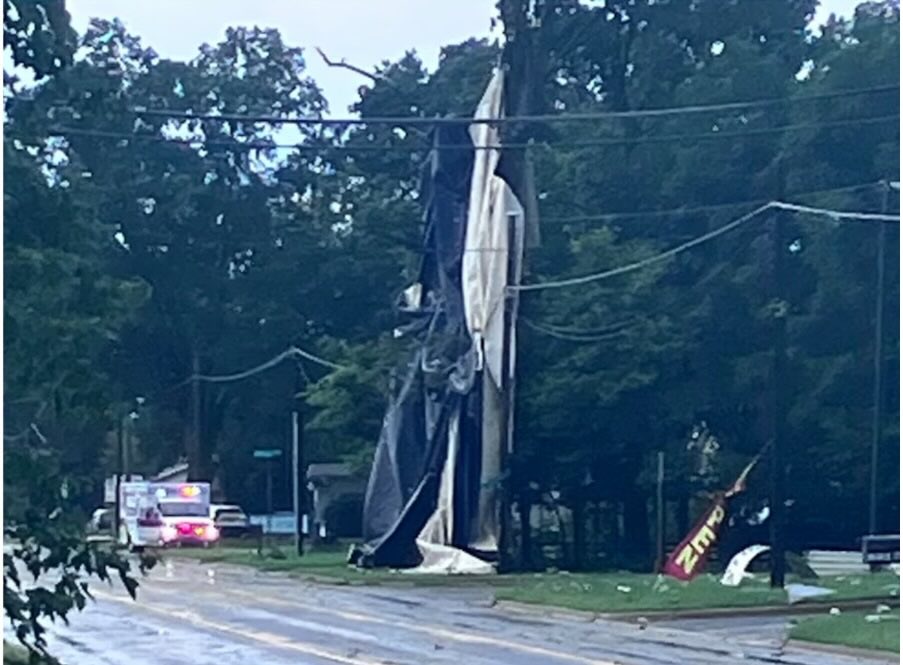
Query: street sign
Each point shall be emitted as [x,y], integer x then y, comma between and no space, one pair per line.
[269,453]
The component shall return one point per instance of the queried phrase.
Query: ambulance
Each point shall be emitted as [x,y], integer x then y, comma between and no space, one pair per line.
[140,522]
[185,511]
[165,514]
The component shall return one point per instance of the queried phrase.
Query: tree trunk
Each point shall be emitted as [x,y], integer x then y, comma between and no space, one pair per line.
[636,526]
[526,530]
[579,534]
[683,515]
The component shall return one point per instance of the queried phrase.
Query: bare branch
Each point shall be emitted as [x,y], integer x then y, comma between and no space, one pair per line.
[376,78]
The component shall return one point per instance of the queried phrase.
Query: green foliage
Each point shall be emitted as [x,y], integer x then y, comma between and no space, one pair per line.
[39,36]
[48,563]
[128,259]
[64,308]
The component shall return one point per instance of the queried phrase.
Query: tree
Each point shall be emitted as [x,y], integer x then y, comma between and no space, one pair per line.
[63,310]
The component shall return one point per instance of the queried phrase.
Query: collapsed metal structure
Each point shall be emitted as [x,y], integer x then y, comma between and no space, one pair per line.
[433,498]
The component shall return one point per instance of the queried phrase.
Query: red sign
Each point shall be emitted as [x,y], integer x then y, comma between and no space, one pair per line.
[688,558]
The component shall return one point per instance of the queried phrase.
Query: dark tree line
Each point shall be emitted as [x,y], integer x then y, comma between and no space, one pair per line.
[134,259]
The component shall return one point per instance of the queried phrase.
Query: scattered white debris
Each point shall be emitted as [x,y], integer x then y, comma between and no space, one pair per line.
[623,588]
[211,576]
[834,611]
[882,609]
[798,592]
[872,618]
[735,572]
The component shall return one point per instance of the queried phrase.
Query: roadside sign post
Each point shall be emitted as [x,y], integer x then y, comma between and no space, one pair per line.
[660,513]
[297,480]
[269,455]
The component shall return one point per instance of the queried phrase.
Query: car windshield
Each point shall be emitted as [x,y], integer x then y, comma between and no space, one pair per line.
[178,509]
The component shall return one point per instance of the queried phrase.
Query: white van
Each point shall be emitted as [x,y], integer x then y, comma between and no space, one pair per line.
[141,524]
[185,511]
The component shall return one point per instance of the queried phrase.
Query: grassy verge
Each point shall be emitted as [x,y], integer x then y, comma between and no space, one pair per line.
[626,592]
[596,592]
[865,630]
[327,564]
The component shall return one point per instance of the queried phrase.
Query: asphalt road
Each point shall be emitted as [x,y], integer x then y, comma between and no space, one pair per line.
[223,615]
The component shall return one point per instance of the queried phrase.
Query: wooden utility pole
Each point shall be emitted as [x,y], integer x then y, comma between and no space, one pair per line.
[522,96]
[298,475]
[777,406]
[194,441]
[120,469]
[878,388]
[660,512]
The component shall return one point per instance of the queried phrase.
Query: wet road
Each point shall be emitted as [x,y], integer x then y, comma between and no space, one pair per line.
[223,615]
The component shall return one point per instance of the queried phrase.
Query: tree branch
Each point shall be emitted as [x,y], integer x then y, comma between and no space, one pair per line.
[376,78]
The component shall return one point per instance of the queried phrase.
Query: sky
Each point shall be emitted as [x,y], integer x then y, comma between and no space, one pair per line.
[364,32]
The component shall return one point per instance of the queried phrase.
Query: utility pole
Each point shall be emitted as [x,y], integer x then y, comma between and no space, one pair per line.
[878,390]
[522,97]
[777,406]
[194,455]
[299,494]
[510,326]
[120,469]
[660,512]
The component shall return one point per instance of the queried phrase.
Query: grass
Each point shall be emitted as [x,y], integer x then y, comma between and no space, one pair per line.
[596,592]
[630,592]
[852,629]
[327,564]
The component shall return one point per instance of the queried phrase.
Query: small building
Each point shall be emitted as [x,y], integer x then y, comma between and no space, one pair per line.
[338,497]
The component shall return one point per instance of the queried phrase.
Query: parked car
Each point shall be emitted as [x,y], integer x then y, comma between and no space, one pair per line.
[100,527]
[230,520]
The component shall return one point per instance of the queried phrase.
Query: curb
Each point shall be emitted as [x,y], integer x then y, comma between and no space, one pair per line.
[702,613]
[873,655]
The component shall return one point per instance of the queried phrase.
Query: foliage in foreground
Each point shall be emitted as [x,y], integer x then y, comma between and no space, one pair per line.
[47,565]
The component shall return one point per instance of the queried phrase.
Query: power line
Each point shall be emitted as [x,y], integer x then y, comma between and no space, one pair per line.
[643,263]
[200,143]
[702,208]
[837,214]
[561,117]
[658,258]
[575,336]
[292,352]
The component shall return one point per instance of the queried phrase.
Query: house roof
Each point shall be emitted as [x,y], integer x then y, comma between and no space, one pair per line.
[170,471]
